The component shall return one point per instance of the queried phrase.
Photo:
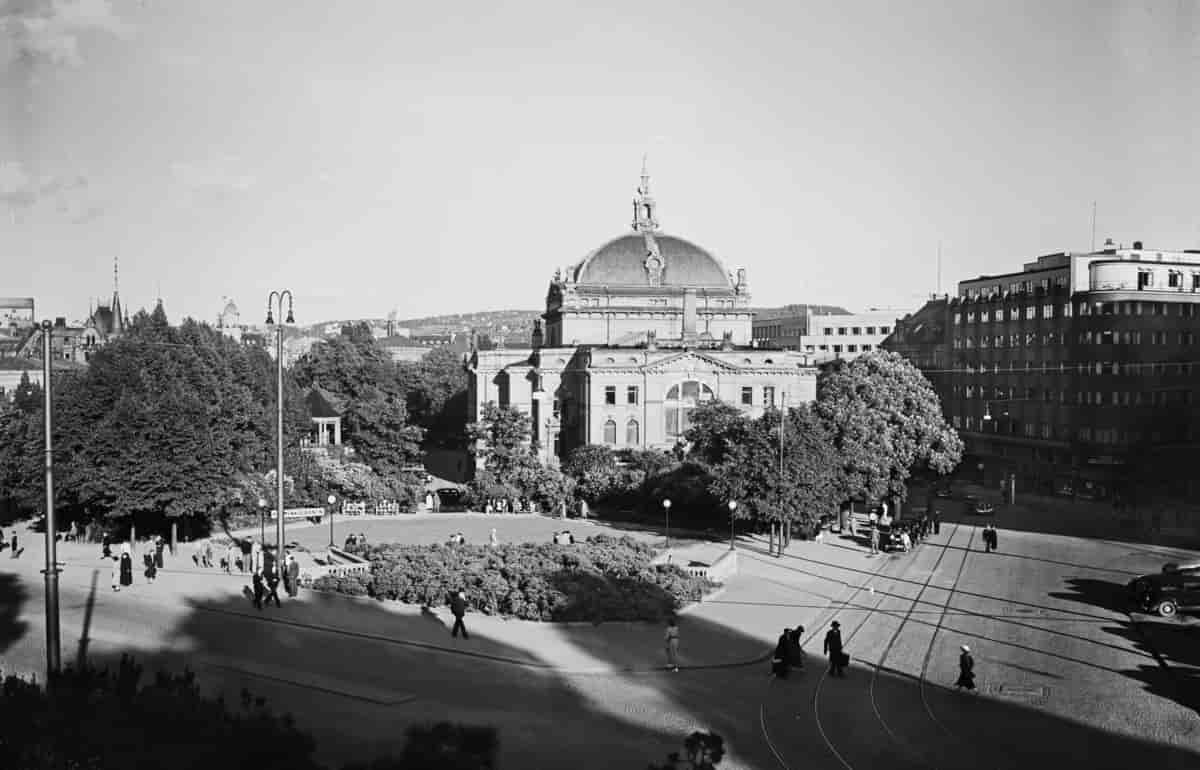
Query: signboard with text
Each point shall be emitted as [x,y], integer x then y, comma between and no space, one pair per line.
[299,513]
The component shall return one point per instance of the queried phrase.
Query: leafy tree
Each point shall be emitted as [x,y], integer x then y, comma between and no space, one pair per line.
[594,469]
[885,420]
[436,395]
[375,421]
[510,466]
[718,429]
[796,488]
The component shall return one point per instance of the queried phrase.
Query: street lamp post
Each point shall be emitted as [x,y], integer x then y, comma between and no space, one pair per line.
[262,521]
[275,302]
[732,509]
[331,500]
[53,646]
[666,504]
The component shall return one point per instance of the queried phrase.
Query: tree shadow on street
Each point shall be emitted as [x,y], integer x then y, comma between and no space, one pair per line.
[1173,643]
[355,672]
[13,596]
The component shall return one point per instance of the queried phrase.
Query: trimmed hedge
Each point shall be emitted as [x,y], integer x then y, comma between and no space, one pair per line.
[600,579]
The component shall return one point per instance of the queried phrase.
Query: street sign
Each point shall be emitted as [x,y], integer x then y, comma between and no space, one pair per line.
[298,513]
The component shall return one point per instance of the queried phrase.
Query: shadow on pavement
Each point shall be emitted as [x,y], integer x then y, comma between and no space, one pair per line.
[1173,643]
[356,674]
[13,596]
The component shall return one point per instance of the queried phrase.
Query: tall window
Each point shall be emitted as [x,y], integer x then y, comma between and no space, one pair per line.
[769,396]
[610,395]
[747,396]
[631,394]
[610,432]
[633,434]
[681,400]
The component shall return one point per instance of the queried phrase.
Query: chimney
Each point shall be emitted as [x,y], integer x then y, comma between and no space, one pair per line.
[1137,245]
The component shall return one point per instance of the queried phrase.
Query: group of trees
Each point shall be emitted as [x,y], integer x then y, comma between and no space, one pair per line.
[875,422]
[173,424]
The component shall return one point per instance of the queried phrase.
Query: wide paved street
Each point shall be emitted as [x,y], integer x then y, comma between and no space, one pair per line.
[1066,678]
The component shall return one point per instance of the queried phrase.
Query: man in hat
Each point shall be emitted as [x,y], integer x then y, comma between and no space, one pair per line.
[833,648]
[458,606]
[966,669]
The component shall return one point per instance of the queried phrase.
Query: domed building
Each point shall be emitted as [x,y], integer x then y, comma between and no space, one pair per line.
[636,335]
[229,322]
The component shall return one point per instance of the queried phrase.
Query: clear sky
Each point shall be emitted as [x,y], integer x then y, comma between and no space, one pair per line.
[447,157]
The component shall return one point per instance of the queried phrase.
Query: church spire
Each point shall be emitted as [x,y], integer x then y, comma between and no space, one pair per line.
[643,206]
[118,322]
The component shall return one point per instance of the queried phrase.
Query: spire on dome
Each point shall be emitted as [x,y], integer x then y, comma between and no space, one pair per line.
[643,206]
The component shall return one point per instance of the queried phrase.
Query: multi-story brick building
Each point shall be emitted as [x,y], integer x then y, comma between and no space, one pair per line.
[1079,373]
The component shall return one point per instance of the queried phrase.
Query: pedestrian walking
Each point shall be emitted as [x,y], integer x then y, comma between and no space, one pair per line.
[833,648]
[126,565]
[293,573]
[105,547]
[780,660]
[231,554]
[429,501]
[13,545]
[796,649]
[260,590]
[966,669]
[672,642]
[208,553]
[151,571]
[116,572]
[160,546]
[987,538]
[271,571]
[937,522]
[493,539]
[458,606]
[874,539]
[437,503]
[256,557]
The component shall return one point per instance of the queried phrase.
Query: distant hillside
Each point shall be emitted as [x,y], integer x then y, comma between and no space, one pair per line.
[520,322]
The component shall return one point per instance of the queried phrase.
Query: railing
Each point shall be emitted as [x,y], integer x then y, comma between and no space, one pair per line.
[381,508]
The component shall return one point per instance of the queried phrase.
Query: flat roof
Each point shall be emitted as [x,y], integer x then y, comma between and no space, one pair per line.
[15,302]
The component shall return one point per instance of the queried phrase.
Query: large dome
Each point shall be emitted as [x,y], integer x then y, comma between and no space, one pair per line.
[622,262]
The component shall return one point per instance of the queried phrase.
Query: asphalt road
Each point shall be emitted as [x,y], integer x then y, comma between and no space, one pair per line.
[1066,678]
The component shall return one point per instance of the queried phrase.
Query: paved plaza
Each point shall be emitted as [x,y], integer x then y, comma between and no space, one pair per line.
[1065,677]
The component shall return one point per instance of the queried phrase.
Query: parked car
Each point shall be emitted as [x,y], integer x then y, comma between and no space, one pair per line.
[943,492]
[1166,593]
[981,508]
[1170,567]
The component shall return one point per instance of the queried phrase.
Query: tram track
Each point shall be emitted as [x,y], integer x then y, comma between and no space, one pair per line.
[870,612]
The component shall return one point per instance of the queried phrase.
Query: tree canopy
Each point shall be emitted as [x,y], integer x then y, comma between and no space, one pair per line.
[885,420]
[508,465]
[361,375]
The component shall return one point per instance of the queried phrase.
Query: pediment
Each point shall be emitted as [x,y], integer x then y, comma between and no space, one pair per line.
[689,361]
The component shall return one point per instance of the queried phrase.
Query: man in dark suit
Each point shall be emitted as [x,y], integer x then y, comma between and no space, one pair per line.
[833,648]
[458,606]
[271,573]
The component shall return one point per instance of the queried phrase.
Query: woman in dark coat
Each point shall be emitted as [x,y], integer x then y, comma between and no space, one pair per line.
[966,669]
[126,566]
[151,568]
[781,660]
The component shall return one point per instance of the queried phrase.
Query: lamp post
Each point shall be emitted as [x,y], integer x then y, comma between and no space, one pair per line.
[732,509]
[666,504]
[262,520]
[331,499]
[275,302]
[53,646]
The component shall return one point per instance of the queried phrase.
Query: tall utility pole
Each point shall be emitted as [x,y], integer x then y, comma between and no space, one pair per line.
[53,646]
[275,302]
[782,421]
[939,269]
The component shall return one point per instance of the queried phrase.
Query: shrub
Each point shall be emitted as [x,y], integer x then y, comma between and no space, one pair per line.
[602,578]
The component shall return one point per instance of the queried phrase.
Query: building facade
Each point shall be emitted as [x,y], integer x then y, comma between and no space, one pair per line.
[1079,373]
[637,335]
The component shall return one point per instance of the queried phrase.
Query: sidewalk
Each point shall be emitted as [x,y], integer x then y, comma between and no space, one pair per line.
[736,626]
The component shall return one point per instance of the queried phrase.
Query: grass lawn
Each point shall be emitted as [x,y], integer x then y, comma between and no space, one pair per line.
[427,530]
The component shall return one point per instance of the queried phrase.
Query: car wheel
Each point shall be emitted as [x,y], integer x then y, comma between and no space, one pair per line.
[1167,609]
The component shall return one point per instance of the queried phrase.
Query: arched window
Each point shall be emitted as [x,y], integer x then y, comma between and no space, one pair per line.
[633,433]
[610,432]
[681,400]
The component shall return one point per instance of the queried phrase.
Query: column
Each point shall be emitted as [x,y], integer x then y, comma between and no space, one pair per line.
[337,431]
